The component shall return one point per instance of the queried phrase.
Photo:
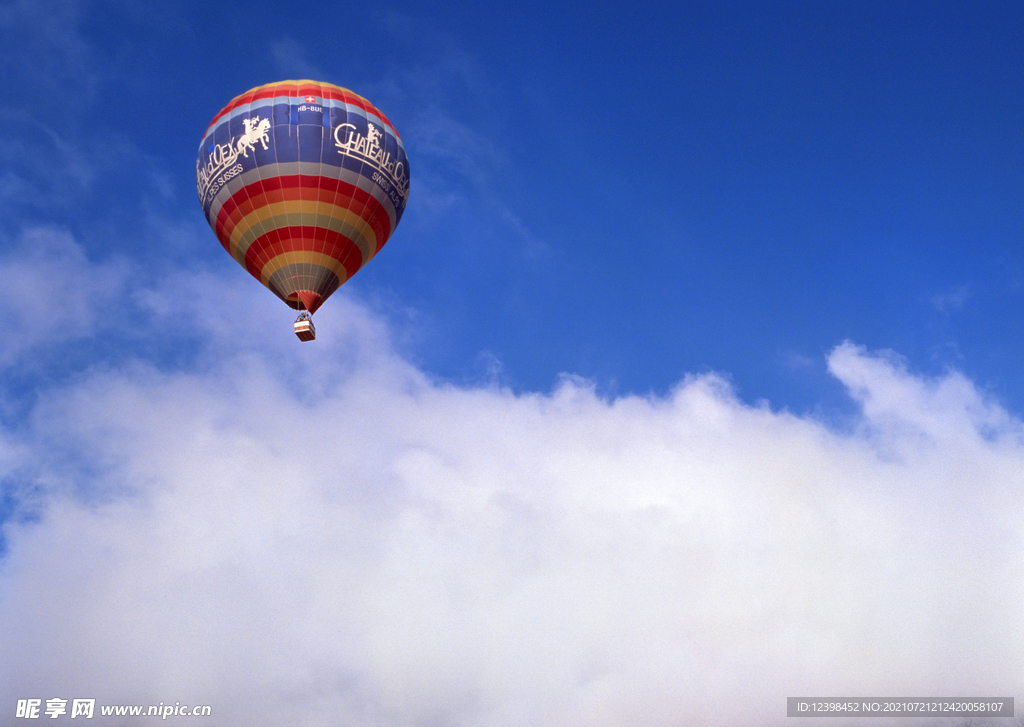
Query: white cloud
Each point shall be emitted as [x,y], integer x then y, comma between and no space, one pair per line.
[53,293]
[952,299]
[320,533]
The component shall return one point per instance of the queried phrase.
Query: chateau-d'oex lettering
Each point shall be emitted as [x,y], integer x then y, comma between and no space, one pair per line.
[346,137]
[369,148]
[222,156]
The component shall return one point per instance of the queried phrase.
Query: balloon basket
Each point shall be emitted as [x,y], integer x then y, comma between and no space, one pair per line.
[304,328]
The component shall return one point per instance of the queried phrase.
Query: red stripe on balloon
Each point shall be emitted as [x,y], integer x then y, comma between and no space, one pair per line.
[291,89]
[302,238]
[263,192]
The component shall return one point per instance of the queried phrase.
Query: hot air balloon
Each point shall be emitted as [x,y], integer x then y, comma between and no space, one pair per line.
[302,182]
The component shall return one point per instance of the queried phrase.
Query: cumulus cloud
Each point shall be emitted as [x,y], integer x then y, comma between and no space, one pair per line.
[324,534]
[52,292]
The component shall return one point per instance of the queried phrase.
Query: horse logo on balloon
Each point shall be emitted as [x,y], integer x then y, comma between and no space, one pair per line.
[255,130]
[373,136]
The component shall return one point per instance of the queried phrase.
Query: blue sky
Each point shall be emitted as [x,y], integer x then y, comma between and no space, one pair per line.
[625,196]
[734,284]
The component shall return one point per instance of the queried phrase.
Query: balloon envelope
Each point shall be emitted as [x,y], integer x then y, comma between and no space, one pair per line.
[303,182]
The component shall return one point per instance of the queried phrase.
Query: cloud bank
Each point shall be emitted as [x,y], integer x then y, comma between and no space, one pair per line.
[325,535]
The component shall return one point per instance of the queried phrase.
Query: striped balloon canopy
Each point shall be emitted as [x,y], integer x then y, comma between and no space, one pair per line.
[303,182]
